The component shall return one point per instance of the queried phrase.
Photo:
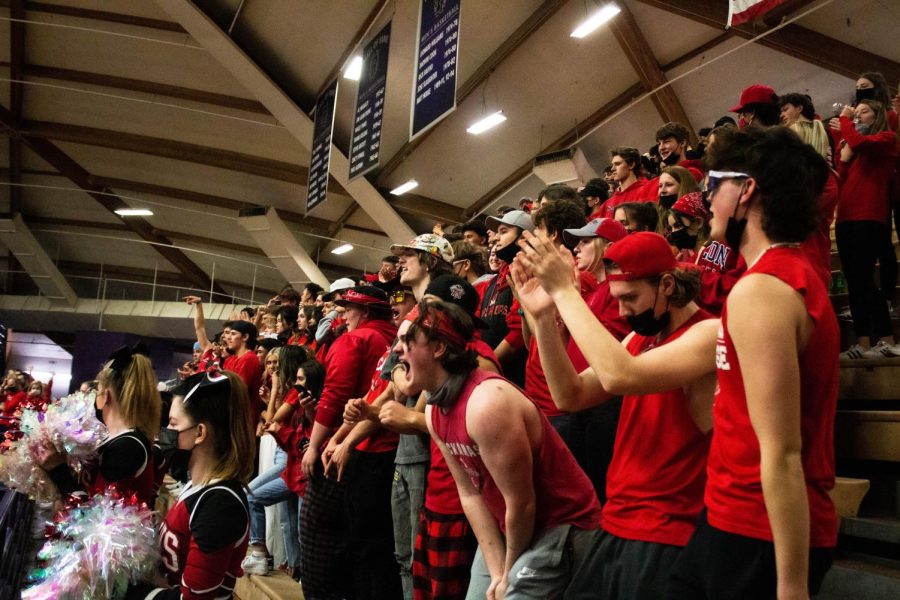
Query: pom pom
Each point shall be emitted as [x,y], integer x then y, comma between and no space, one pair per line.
[19,471]
[71,424]
[95,550]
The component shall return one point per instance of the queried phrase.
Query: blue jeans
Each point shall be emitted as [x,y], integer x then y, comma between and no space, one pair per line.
[269,489]
[407,499]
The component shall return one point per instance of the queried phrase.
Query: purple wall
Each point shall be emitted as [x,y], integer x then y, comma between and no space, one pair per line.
[93,347]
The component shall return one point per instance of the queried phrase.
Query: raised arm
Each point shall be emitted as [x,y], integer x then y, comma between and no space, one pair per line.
[199,320]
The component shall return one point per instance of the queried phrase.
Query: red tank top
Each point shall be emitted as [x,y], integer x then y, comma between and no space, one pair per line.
[563,493]
[734,498]
[654,487]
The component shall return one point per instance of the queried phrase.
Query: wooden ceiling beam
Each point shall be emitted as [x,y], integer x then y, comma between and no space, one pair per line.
[144,87]
[348,51]
[314,224]
[635,46]
[63,163]
[101,15]
[794,40]
[534,22]
[165,148]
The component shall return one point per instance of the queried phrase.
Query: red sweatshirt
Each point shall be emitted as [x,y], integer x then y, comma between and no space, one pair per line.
[867,177]
[639,191]
[294,440]
[349,365]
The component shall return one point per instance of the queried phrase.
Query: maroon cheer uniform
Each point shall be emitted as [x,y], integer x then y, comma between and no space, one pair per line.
[202,543]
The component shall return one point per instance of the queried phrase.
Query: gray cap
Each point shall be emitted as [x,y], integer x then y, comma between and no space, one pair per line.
[516,218]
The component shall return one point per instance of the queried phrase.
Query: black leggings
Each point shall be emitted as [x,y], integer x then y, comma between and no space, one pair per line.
[887,260]
[859,245]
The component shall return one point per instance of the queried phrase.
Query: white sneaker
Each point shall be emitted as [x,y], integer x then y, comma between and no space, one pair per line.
[854,352]
[882,350]
[256,563]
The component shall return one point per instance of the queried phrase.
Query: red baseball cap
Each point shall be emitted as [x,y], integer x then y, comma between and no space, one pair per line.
[640,255]
[755,94]
[608,229]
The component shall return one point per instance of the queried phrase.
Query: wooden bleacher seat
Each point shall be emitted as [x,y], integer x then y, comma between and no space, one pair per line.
[277,585]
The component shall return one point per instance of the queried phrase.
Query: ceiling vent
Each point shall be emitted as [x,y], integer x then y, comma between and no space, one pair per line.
[563,166]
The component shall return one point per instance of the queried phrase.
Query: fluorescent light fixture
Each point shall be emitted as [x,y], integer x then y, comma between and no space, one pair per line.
[405,187]
[354,69]
[134,212]
[486,123]
[343,249]
[596,20]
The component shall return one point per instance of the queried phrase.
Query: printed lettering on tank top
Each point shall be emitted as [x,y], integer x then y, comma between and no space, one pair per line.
[494,310]
[721,351]
[716,254]
[464,452]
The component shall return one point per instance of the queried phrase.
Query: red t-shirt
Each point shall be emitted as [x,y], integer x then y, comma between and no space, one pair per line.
[247,368]
[636,192]
[734,498]
[208,360]
[563,493]
[654,486]
[606,309]
[13,401]
[383,440]
[294,440]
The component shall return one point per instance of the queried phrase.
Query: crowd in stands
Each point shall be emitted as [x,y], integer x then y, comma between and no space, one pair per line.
[625,390]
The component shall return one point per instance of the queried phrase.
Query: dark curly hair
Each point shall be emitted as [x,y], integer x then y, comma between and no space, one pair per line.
[789,175]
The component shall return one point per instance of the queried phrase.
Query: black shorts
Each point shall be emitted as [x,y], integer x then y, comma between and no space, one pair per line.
[718,565]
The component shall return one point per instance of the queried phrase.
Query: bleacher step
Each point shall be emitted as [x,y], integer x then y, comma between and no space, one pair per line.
[860,579]
[277,585]
[881,530]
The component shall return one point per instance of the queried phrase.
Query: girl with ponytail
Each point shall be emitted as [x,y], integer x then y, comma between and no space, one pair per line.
[127,402]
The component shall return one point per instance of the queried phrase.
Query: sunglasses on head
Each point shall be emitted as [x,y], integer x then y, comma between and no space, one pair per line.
[399,296]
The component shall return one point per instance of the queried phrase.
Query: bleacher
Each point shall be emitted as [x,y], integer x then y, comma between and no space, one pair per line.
[867,448]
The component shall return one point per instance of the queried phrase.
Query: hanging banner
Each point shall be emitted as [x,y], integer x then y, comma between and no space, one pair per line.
[365,143]
[323,126]
[434,86]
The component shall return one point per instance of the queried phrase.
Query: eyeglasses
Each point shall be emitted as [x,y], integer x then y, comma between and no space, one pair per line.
[715,178]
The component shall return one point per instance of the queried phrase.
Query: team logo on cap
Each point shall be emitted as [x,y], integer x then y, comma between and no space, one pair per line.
[457,291]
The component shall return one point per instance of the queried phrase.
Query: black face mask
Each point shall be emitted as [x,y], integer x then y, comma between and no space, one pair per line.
[682,239]
[667,200]
[734,231]
[648,324]
[175,459]
[508,252]
[672,159]
[866,94]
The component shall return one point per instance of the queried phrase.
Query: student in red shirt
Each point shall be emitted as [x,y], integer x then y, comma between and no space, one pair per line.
[204,536]
[240,342]
[655,481]
[770,526]
[626,165]
[519,485]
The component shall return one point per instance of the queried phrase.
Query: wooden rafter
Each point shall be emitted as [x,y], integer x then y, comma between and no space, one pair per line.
[794,40]
[99,15]
[63,163]
[17,61]
[141,86]
[632,41]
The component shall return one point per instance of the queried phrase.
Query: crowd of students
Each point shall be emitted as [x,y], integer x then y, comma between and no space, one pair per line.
[584,396]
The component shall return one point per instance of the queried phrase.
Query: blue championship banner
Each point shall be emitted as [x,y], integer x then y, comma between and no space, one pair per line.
[317,184]
[434,85]
[365,143]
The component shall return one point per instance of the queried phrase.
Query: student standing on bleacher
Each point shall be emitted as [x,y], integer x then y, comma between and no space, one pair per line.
[770,527]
